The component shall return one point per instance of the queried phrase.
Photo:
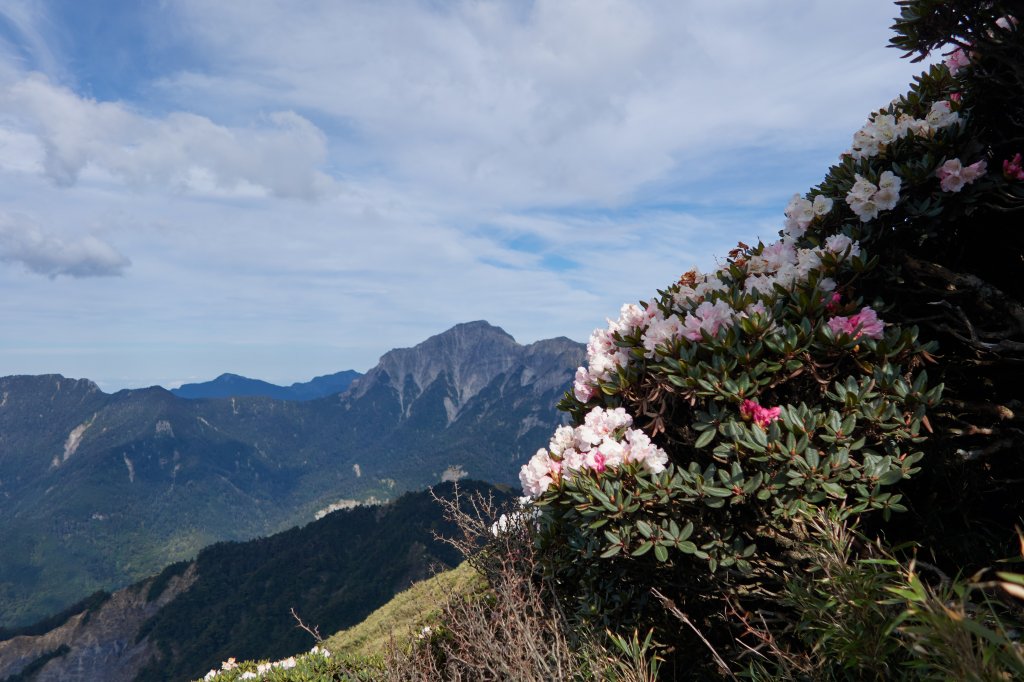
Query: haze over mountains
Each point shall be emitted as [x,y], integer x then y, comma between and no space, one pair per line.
[98,490]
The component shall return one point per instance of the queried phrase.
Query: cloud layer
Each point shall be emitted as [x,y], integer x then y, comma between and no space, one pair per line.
[295,189]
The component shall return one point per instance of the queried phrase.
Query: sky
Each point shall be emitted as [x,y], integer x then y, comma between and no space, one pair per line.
[284,190]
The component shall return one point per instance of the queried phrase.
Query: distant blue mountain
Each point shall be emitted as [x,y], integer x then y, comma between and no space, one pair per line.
[234,386]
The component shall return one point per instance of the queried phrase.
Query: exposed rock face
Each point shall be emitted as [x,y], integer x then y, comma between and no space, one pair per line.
[97,644]
[469,357]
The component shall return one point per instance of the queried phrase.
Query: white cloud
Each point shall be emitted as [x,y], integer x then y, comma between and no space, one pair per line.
[553,101]
[531,163]
[44,253]
[181,151]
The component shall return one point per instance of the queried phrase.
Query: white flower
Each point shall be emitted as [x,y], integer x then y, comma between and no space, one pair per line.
[839,243]
[250,675]
[562,439]
[862,189]
[866,199]
[907,124]
[1006,23]
[822,205]
[583,385]
[941,115]
[708,318]
[604,422]
[537,475]
[633,316]
[865,145]
[642,451]
[888,194]
[661,331]
[799,214]
[573,460]
[884,128]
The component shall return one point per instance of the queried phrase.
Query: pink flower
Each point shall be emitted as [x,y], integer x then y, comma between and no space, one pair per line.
[750,410]
[957,60]
[953,175]
[539,473]
[864,323]
[595,460]
[582,386]
[707,317]
[1012,169]
[833,303]
[954,97]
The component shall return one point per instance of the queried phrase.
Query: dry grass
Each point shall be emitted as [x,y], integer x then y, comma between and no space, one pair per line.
[406,613]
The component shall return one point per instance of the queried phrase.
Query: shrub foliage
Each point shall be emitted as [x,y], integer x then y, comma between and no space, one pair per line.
[866,364]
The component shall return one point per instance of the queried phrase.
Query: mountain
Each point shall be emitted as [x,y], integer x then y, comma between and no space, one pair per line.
[100,490]
[234,386]
[235,599]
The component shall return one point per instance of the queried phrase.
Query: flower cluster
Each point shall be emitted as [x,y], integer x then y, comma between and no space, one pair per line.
[801,212]
[693,312]
[956,60]
[1012,168]
[866,199]
[953,175]
[605,357]
[864,323]
[260,670]
[884,128]
[750,410]
[604,441]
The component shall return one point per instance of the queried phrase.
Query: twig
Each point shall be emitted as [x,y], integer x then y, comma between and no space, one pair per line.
[674,610]
[315,630]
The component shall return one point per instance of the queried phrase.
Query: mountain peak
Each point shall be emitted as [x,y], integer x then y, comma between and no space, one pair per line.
[470,355]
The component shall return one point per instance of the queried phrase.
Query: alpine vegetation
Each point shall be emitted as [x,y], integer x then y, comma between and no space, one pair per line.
[729,429]
[807,464]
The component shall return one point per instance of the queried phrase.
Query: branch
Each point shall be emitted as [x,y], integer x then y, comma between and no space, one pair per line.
[983,289]
[674,610]
[315,630]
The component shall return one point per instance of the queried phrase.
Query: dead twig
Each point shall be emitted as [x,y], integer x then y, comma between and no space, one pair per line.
[315,630]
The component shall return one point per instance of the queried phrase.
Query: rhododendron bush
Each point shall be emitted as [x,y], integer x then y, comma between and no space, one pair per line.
[867,362]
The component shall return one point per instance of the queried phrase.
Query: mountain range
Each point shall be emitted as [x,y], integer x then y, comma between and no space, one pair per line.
[99,490]
[235,386]
[236,599]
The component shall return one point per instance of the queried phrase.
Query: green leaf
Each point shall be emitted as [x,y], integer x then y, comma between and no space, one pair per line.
[644,548]
[705,438]
[686,531]
[890,477]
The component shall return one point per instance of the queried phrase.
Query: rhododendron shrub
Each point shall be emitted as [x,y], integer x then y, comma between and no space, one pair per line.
[713,416]
[793,377]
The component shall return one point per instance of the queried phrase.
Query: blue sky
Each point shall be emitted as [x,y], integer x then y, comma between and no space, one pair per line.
[281,190]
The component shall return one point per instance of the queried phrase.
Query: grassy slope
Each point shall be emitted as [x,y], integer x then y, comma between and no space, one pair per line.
[356,651]
[405,614]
